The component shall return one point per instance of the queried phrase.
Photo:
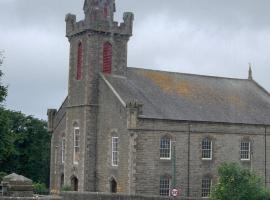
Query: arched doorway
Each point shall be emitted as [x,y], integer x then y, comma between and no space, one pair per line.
[74,183]
[113,186]
[62,181]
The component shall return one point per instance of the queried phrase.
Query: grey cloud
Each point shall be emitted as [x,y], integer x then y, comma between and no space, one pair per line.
[212,37]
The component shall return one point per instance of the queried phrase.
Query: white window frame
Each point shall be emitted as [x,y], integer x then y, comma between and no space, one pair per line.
[115,160]
[170,153]
[211,149]
[204,188]
[76,146]
[162,190]
[245,151]
[63,149]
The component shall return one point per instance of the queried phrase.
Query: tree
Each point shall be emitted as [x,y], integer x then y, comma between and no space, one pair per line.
[236,183]
[3,89]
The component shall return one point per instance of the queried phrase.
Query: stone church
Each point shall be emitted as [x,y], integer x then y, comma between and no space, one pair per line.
[140,131]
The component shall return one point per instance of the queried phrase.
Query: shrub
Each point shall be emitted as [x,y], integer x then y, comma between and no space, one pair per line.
[40,188]
[66,188]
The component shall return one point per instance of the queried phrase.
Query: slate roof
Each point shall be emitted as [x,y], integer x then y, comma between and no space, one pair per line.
[178,96]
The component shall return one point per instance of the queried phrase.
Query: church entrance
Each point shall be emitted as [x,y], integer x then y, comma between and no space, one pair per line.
[74,183]
[113,185]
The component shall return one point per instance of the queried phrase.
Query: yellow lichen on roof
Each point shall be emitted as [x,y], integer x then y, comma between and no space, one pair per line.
[167,83]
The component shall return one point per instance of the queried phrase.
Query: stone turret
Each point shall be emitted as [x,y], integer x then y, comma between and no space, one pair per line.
[98,44]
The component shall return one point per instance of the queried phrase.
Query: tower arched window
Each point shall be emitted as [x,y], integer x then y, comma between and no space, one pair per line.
[107,58]
[79,62]
[76,144]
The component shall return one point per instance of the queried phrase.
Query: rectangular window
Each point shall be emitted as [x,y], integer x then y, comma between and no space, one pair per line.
[164,188]
[76,145]
[114,151]
[245,150]
[165,148]
[207,149]
[63,149]
[206,187]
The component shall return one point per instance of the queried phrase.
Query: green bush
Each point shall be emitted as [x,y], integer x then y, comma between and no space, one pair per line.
[66,188]
[2,175]
[40,188]
[264,195]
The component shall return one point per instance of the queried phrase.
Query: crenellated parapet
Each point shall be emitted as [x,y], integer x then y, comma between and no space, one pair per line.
[74,28]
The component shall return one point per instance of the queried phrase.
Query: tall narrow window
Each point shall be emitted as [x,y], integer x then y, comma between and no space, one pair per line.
[106,11]
[164,187]
[79,62]
[114,151]
[245,150]
[76,145]
[165,148]
[207,149]
[107,58]
[206,186]
[63,149]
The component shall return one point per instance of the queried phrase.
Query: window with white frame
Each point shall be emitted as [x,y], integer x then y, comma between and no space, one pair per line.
[206,186]
[207,149]
[245,150]
[63,149]
[76,145]
[164,187]
[165,148]
[114,151]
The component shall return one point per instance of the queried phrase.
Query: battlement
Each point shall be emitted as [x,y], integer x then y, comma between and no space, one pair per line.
[110,27]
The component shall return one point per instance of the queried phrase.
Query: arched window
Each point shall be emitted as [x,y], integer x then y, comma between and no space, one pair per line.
[165,148]
[207,149]
[76,143]
[63,149]
[206,186]
[106,10]
[79,62]
[107,58]
[164,186]
[245,149]
[113,186]
[115,141]
[74,183]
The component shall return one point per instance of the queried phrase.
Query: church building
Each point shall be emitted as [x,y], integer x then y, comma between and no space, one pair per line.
[140,131]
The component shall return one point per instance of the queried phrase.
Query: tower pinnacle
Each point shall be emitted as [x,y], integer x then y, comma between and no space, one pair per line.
[250,72]
[99,10]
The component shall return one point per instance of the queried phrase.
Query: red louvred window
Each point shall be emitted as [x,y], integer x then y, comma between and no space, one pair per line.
[107,58]
[105,12]
[79,62]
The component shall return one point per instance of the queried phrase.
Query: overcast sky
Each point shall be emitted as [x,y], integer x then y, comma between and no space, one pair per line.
[210,37]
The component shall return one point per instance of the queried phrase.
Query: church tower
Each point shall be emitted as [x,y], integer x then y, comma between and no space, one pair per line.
[98,44]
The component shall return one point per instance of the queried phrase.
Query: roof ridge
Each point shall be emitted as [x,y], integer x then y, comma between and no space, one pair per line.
[189,74]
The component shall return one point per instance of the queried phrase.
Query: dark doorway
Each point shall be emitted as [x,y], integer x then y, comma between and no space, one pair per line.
[74,183]
[62,181]
[113,185]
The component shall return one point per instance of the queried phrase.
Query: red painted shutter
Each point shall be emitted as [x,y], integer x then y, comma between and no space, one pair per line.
[107,58]
[79,62]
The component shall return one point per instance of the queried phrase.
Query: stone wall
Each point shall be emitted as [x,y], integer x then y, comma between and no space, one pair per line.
[103,196]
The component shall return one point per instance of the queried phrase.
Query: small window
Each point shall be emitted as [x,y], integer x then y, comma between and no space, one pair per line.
[165,148]
[206,186]
[76,145]
[207,149]
[63,149]
[245,150]
[164,188]
[107,58]
[113,186]
[79,62]
[114,151]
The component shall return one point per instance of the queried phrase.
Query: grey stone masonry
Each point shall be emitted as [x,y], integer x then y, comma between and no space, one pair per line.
[15,185]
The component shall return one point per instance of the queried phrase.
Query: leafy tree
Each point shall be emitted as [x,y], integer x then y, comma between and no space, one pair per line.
[3,89]
[236,183]
[30,147]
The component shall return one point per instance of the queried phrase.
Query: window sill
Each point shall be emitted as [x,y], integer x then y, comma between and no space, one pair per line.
[245,160]
[207,159]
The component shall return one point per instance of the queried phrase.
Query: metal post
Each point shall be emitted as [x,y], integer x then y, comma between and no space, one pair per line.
[173,166]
